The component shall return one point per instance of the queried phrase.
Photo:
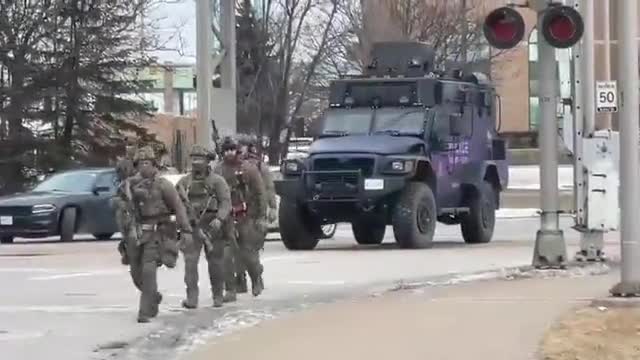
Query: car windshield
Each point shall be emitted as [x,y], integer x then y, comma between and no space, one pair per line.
[68,182]
[355,121]
[400,121]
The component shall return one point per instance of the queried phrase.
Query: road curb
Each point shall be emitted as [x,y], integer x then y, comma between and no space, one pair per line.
[573,269]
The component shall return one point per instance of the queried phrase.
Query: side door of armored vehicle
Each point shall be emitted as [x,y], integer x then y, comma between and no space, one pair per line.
[450,151]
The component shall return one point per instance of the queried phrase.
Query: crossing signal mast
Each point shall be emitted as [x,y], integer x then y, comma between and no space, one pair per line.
[559,27]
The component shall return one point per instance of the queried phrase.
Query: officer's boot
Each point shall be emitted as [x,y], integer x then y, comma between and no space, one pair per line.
[218,297]
[241,283]
[256,282]
[156,309]
[230,292]
[191,302]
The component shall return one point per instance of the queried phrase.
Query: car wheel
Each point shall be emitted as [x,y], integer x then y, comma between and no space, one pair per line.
[414,217]
[6,239]
[68,224]
[105,236]
[294,230]
[368,231]
[477,225]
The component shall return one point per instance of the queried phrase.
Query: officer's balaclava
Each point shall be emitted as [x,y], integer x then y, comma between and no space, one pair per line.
[199,166]
[147,168]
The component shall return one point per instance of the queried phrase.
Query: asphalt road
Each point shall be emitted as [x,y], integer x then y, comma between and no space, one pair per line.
[75,298]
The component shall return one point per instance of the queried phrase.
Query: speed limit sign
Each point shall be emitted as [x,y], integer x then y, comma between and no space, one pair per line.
[606,96]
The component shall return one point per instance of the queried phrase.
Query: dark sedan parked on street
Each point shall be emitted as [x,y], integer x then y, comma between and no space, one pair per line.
[65,204]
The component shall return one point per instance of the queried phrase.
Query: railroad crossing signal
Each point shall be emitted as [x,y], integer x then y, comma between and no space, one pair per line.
[562,27]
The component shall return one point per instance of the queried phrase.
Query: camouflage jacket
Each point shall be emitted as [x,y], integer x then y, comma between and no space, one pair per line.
[156,199]
[208,195]
[267,178]
[246,185]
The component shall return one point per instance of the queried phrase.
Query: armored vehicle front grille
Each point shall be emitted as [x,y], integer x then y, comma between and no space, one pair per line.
[365,165]
[337,178]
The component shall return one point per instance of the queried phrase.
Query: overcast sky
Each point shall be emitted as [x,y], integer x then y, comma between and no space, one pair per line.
[180,13]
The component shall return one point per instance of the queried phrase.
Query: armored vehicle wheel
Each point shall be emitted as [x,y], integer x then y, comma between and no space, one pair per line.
[477,226]
[368,231]
[415,216]
[295,232]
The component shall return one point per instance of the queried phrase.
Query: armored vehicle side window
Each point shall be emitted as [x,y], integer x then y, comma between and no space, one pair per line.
[347,121]
[400,120]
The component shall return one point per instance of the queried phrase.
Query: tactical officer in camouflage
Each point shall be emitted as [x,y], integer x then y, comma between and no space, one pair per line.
[122,202]
[155,199]
[208,202]
[249,208]
[249,151]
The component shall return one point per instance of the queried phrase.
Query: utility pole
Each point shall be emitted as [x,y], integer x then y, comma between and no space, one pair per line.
[224,98]
[627,18]
[550,248]
[606,16]
[204,73]
[591,241]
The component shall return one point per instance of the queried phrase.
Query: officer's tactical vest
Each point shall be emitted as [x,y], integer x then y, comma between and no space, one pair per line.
[199,193]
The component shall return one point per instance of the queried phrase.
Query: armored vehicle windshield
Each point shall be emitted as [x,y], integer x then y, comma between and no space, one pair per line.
[366,121]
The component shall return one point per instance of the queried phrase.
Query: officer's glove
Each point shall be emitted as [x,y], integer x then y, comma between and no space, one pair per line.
[186,240]
[215,224]
[272,214]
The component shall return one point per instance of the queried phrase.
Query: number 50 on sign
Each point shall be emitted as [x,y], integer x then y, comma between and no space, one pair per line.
[606,96]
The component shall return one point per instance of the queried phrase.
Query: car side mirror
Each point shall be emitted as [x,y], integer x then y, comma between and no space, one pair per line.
[458,126]
[100,189]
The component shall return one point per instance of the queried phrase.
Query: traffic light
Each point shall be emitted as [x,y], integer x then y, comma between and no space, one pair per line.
[562,27]
[504,28]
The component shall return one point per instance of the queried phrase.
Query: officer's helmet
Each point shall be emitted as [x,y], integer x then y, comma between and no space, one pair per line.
[145,153]
[199,151]
[229,143]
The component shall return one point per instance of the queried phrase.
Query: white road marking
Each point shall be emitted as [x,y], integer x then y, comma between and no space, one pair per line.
[311,282]
[71,309]
[78,274]
[285,257]
[16,335]
[27,270]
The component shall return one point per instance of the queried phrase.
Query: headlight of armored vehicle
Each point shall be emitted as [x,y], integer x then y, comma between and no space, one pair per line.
[292,167]
[399,166]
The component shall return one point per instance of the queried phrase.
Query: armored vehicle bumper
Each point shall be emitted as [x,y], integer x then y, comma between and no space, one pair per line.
[339,196]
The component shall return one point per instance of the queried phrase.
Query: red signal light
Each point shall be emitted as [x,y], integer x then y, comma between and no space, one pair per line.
[504,28]
[562,26]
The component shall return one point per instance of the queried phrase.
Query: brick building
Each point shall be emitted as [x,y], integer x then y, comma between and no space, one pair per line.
[515,71]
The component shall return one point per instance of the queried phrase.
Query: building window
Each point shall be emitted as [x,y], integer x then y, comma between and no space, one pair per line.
[563,68]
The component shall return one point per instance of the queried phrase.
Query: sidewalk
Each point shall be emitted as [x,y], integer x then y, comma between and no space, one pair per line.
[497,320]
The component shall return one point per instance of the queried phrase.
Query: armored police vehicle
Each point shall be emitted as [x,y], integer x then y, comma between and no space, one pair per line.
[401,145]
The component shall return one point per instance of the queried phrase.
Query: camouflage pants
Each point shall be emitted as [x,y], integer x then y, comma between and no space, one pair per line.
[144,260]
[219,274]
[249,243]
[241,267]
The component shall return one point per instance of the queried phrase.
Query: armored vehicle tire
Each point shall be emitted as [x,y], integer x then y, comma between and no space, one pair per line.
[415,216]
[368,231]
[294,232]
[477,225]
